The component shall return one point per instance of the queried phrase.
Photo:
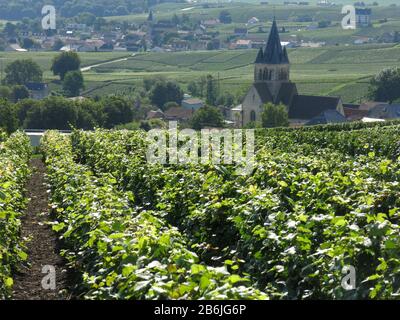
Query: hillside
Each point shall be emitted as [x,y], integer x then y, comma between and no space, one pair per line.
[18,9]
[335,71]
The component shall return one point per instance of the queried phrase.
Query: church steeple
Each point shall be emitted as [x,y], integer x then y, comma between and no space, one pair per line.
[273,52]
[272,63]
[260,56]
[150,17]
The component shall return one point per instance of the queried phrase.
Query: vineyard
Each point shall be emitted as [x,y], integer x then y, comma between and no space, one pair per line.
[14,171]
[319,199]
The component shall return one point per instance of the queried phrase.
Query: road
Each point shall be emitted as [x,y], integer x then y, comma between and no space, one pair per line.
[88,68]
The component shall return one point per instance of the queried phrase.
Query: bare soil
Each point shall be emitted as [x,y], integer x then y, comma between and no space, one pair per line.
[42,245]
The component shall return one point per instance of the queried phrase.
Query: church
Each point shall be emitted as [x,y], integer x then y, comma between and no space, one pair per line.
[272,85]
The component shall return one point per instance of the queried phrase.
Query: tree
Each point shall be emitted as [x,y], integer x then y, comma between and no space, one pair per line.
[385,86]
[22,108]
[175,19]
[58,44]
[10,29]
[225,16]
[20,72]
[225,99]
[19,93]
[64,62]
[90,114]
[207,116]
[211,88]
[170,104]
[8,116]
[5,92]
[52,113]
[166,91]
[117,111]
[73,83]
[274,116]
[193,88]
[27,43]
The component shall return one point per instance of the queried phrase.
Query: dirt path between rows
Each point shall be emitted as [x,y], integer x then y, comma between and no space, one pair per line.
[42,247]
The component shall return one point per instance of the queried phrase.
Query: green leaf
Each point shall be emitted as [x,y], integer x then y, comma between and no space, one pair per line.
[204,282]
[117,236]
[283,184]
[235,278]
[58,227]
[9,282]
[197,268]
[22,255]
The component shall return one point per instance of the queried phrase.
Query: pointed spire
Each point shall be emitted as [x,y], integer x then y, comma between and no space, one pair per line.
[273,53]
[260,56]
[285,58]
[150,17]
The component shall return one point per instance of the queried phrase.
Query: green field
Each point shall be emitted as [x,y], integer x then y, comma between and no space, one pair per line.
[287,17]
[333,70]
[337,71]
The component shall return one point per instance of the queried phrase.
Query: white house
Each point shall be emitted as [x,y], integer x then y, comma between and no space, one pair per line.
[192,104]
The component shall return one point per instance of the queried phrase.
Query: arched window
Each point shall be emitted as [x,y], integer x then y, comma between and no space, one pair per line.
[271,75]
[260,75]
[265,74]
[252,116]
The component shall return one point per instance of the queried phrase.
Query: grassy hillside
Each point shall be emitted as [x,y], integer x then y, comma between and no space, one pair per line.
[337,70]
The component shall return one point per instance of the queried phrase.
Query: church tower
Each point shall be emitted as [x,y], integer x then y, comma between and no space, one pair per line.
[272,64]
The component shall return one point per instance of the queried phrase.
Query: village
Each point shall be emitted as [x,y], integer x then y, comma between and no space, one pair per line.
[87,33]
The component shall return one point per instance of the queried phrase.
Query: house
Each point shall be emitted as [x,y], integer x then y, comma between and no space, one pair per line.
[385,111]
[69,47]
[192,104]
[106,47]
[242,44]
[371,104]
[325,3]
[14,47]
[304,109]
[363,17]
[210,22]
[352,112]
[38,90]
[362,40]
[155,114]
[253,20]
[272,85]
[180,44]
[178,114]
[236,116]
[92,45]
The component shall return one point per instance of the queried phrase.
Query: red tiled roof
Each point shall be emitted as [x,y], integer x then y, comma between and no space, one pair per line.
[178,113]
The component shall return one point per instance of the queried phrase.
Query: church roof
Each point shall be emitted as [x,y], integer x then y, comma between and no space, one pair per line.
[308,107]
[327,116]
[263,92]
[273,52]
[260,56]
[286,93]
